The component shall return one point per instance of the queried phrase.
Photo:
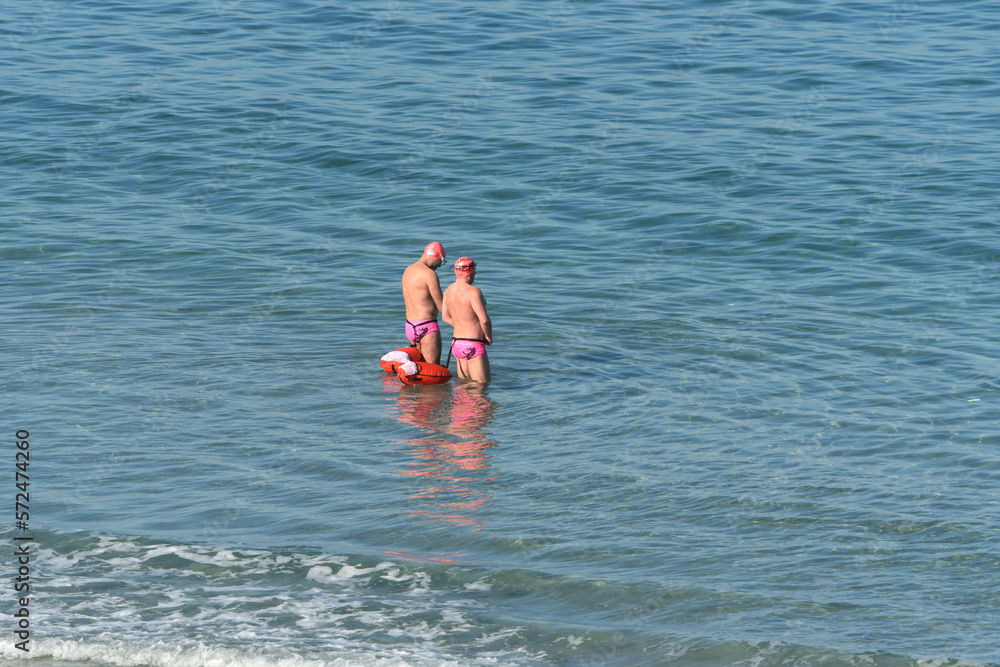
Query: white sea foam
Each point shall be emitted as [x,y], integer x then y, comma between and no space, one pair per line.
[478,586]
[220,558]
[322,574]
[262,607]
[193,654]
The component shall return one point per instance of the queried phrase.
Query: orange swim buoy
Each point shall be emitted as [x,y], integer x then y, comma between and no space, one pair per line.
[422,372]
[413,352]
[390,362]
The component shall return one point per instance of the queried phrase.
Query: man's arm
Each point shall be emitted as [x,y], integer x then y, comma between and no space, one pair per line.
[479,307]
[434,287]
[445,315]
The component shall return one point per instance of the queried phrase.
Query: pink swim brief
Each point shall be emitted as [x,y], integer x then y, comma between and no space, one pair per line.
[417,330]
[463,348]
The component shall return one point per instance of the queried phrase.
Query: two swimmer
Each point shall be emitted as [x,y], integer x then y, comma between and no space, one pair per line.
[462,306]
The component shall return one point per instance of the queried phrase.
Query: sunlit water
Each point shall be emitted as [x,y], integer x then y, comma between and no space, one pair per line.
[742,262]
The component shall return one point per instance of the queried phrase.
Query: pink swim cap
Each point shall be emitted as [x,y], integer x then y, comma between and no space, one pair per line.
[465,265]
[434,249]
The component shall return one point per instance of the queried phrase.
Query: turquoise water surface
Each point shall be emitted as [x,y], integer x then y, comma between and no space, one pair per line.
[742,261]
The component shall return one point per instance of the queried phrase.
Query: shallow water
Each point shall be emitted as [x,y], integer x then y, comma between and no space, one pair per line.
[741,261]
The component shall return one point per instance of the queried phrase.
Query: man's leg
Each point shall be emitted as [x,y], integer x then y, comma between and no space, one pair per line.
[430,347]
[477,370]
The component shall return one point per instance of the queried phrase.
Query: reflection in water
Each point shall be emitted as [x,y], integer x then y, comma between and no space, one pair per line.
[451,458]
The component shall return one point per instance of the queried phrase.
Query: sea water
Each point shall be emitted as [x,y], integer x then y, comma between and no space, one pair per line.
[742,264]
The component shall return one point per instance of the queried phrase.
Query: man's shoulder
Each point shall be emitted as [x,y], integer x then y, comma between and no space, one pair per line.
[471,294]
[417,268]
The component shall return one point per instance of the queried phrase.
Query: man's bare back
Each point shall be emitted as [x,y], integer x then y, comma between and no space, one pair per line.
[423,299]
[466,307]
[419,286]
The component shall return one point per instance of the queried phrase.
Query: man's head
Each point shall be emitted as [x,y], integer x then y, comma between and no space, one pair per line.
[465,267]
[434,254]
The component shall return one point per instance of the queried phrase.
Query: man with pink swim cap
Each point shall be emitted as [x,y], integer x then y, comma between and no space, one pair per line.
[465,310]
[423,299]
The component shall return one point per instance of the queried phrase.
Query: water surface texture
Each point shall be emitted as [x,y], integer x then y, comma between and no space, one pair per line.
[742,260]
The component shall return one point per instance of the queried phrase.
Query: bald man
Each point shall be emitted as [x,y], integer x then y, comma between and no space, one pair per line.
[423,299]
